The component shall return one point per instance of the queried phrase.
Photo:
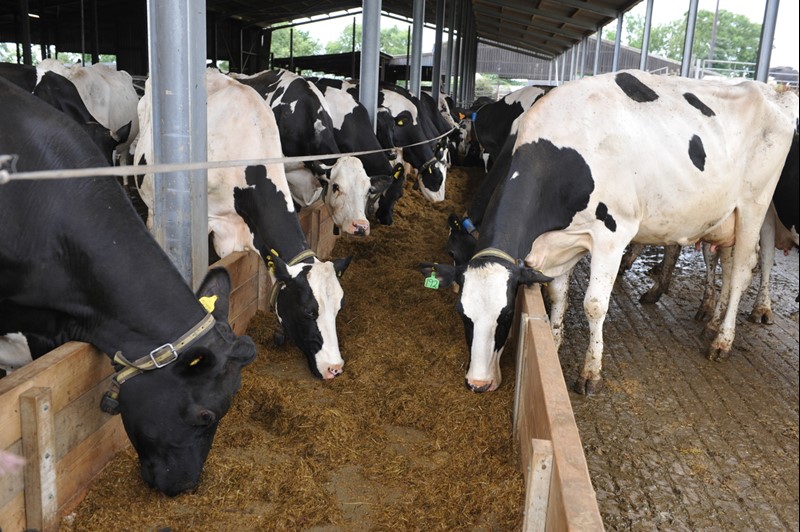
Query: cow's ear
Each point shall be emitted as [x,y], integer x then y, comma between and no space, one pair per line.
[340,265]
[121,135]
[528,276]
[278,267]
[214,292]
[379,183]
[439,275]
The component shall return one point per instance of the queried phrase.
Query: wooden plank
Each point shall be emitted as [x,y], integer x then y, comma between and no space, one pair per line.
[80,419]
[11,484]
[241,266]
[243,296]
[68,370]
[12,514]
[240,322]
[39,450]
[77,469]
[545,402]
[537,490]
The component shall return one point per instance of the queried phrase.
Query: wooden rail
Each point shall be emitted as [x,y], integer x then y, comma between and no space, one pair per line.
[559,492]
[50,415]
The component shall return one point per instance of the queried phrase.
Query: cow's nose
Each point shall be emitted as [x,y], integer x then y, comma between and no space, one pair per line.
[479,386]
[360,228]
[333,371]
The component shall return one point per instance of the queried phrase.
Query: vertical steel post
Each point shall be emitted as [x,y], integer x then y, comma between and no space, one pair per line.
[416,47]
[617,44]
[648,22]
[688,39]
[451,15]
[765,43]
[597,43]
[177,44]
[370,58]
[436,68]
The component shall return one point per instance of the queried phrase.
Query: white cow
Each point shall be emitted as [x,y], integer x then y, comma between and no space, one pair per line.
[108,94]
[622,157]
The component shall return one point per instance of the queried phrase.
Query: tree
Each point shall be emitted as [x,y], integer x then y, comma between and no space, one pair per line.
[737,37]
[302,43]
[393,41]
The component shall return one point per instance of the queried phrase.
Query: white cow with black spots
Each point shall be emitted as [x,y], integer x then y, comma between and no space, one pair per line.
[613,159]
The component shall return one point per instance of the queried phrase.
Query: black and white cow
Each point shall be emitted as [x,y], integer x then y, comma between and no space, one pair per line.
[77,263]
[306,128]
[62,94]
[353,131]
[611,159]
[251,208]
[412,131]
[491,123]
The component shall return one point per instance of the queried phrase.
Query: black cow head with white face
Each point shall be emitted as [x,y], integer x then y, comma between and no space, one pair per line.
[486,305]
[172,413]
[306,300]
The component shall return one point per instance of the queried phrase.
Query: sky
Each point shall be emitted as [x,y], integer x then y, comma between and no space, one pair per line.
[784,53]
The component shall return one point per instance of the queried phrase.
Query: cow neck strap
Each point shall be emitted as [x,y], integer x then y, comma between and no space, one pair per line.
[157,358]
[276,287]
[496,253]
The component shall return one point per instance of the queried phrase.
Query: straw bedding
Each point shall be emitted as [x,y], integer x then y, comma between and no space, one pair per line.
[396,442]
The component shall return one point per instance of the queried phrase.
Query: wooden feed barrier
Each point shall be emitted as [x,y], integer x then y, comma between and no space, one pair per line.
[50,414]
[558,491]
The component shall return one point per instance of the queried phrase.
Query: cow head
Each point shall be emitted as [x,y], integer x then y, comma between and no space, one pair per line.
[461,242]
[387,201]
[306,298]
[486,305]
[171,413]
[348,192]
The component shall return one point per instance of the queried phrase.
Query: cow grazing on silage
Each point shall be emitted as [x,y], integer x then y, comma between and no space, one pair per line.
[77,263]
[608,160]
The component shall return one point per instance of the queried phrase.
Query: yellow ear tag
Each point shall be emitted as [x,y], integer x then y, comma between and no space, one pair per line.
[197,360]
[208,303]
[400,122]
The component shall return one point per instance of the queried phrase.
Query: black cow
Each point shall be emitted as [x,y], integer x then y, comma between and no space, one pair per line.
[77,263]
[62,94]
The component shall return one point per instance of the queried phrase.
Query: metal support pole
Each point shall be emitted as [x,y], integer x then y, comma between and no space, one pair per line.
[617,44]
[451,13]
[584,46]
[597,42]
[416,47]
[370,58]
[767,36]
[436,69]
[648,22]
[177,44]
[688,39]
[25,32]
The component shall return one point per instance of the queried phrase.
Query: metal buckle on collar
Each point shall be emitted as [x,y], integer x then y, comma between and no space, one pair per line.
[155,358]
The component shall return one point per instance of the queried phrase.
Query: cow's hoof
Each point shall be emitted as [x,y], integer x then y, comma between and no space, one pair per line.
[278,338]
[718,355]
[588,386]
[703,314]
[761,315]
[650,297]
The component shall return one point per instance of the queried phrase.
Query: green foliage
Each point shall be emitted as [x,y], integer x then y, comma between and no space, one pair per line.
[393,41]
[737,37]
[302,43]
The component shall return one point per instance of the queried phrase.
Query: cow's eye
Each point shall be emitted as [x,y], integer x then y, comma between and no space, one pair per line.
[310,313]
[335,187]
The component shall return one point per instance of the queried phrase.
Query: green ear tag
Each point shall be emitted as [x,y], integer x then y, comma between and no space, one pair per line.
[432,282]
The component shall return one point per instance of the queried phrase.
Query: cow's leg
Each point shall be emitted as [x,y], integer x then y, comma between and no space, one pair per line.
[762,309]
[709,302]
[604,267]
[725,257]
[558,291]
[664,275]
[748,227]
[630,256]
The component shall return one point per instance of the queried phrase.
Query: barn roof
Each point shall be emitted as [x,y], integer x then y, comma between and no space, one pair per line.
[540,27]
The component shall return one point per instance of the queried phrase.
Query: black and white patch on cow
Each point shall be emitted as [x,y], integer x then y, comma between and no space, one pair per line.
[77,263]
[608,160]
[306,295]
[411,132]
